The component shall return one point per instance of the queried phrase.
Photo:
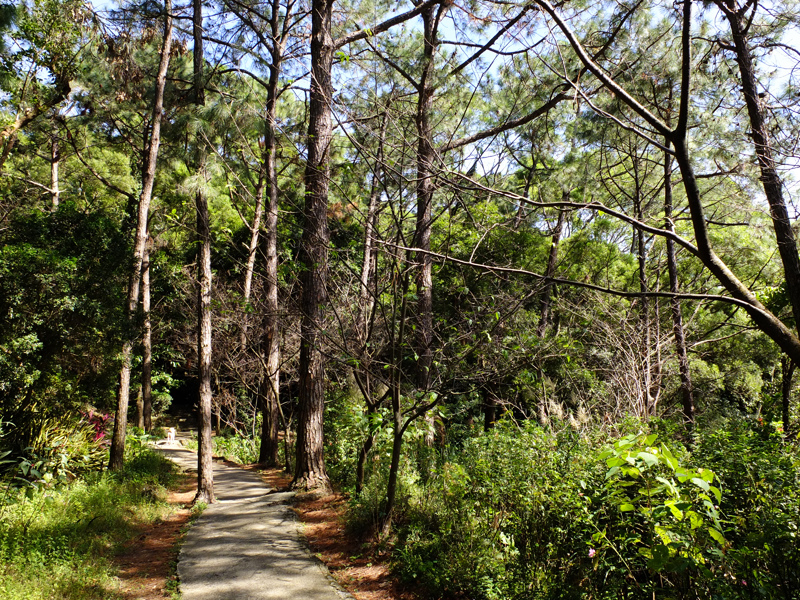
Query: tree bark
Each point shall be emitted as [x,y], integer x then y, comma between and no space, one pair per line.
[55,159]
[252,249]
[270,398]
[687,394]
[648,407]
[552,261]
[147,346]
[205,469]
[425,188]
[117,452]
[787,372]
[773,187]
[139,409]
[310,470]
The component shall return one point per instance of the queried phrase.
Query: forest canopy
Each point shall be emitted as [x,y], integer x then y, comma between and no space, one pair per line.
[489,267]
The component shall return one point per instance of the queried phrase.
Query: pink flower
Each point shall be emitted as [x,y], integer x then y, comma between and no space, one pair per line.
[592,552]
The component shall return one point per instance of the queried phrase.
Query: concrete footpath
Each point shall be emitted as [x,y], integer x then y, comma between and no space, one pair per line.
[247,546]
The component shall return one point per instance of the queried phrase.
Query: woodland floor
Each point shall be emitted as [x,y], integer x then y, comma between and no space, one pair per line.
[147,565]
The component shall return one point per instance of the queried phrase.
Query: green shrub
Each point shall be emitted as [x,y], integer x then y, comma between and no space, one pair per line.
[56,542]
[761,475]
[532,513]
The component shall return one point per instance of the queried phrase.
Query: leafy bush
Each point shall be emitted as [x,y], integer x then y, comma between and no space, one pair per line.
[56,542]
[532,513]
[240,449]
[761,475]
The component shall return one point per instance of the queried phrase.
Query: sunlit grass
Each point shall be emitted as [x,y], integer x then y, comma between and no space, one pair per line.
[58,543]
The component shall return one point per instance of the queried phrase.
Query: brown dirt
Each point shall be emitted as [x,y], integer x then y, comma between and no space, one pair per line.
[146,565]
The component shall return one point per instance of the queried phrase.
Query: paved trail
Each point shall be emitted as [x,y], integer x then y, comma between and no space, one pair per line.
[247,545]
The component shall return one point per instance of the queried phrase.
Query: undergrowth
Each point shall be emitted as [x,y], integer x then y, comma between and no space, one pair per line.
[57,542]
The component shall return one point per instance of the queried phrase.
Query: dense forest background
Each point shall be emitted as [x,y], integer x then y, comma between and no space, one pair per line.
[521,278]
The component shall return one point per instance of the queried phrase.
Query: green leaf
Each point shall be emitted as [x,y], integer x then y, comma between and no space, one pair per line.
[701,483]
[717,493]
[676,512]
[626,507]
[650,459]
[717,536]
[660,557]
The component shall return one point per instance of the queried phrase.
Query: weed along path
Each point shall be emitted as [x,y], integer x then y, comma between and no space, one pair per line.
[247,546]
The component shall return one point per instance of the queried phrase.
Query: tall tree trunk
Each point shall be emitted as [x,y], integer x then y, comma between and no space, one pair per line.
[205,468]
[552,261]
[147,345]
[426,154]
[644,309]
[271,347]
[252,250]
[425,188]
[787,372]
[139,409]
[365,305]
[310,470]
[55,159]
[687,395]
[773,187]
[396,345]
[117,453]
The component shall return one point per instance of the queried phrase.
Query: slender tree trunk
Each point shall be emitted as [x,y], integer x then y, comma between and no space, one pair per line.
[397,414]
[644,310]
[310,470]
[687,395]
[270,402]
[787,372]
[205,468]
[365,299]
[773,187]
[139,409]
[55,159]
[252,250]
[121,415]
[552,261]
[365,304]
[425,188]
[147,346]
[366,447]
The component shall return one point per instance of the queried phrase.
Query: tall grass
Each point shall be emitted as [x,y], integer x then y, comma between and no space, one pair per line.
[58,542]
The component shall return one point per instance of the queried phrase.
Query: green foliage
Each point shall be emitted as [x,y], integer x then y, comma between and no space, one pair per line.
[669,512]
[60,297]
[761,475]
[532,513]
[238,448]
[57,541]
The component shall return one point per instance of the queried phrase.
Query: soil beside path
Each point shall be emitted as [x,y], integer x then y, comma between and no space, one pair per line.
[247,545]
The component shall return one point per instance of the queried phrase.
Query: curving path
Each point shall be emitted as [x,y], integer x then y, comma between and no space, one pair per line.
[247,546]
